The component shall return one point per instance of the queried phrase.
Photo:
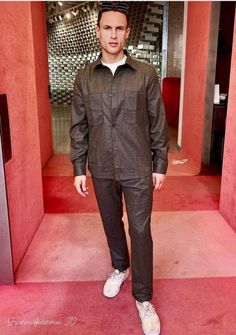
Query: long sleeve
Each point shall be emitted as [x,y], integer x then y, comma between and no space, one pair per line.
[78,131]
[158,125]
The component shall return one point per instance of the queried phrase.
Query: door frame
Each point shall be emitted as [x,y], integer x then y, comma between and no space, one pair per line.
[6,264]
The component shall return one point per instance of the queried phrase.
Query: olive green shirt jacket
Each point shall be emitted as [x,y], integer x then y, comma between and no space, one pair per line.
[118,122]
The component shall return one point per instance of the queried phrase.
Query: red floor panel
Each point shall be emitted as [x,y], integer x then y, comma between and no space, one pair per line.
[185,306]
[178,194]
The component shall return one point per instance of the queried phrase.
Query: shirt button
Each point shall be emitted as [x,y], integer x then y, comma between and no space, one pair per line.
[110,95]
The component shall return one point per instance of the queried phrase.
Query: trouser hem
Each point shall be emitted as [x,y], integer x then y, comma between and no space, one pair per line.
[121,269]
[142,299]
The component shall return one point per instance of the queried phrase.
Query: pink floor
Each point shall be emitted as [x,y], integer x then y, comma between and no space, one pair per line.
[179,193]
[59,281]
[70,247]
[185,306]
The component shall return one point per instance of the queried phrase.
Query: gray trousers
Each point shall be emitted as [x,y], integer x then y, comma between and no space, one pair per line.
[138,195]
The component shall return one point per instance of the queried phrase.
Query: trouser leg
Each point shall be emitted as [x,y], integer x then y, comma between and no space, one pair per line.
[138,197]
[109,198]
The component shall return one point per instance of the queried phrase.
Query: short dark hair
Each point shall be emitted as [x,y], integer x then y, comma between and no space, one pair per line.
[107,6]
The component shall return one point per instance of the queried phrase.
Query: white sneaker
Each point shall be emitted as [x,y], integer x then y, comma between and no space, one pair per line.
[113,283]
[149,318]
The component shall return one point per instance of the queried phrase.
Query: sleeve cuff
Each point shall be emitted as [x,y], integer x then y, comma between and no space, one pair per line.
[160,167]
[79,169]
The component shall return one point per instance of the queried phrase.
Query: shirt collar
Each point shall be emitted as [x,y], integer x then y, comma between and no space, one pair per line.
[129,61]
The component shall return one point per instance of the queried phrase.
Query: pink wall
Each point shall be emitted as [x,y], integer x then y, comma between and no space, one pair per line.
[42,79]
[228,184]
[198,26]
[19,78]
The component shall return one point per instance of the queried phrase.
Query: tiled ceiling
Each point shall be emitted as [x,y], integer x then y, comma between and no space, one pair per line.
[54,7]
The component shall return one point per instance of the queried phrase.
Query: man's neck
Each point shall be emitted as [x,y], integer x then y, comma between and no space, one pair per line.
[108,58]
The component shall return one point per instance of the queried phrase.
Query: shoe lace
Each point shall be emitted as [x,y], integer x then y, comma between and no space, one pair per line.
[148,309]
[115,275]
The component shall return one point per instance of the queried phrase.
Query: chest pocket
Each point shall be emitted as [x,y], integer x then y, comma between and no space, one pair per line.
[134,107]
[94,109]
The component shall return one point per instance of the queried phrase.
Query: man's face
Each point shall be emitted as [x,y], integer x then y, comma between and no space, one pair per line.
[112,32]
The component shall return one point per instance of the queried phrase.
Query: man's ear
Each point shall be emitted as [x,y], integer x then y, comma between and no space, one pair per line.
[97,32]
[127,32]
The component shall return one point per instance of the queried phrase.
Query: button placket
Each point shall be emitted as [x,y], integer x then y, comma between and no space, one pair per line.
[114,128]
[113,135]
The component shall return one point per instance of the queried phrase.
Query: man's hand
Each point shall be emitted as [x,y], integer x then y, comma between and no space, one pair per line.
[80,185]
[158,180]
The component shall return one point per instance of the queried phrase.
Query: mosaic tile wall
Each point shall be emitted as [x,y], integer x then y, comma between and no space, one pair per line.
[73,43]
[175,38]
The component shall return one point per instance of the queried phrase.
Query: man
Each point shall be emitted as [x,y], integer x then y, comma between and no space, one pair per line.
[118,122]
